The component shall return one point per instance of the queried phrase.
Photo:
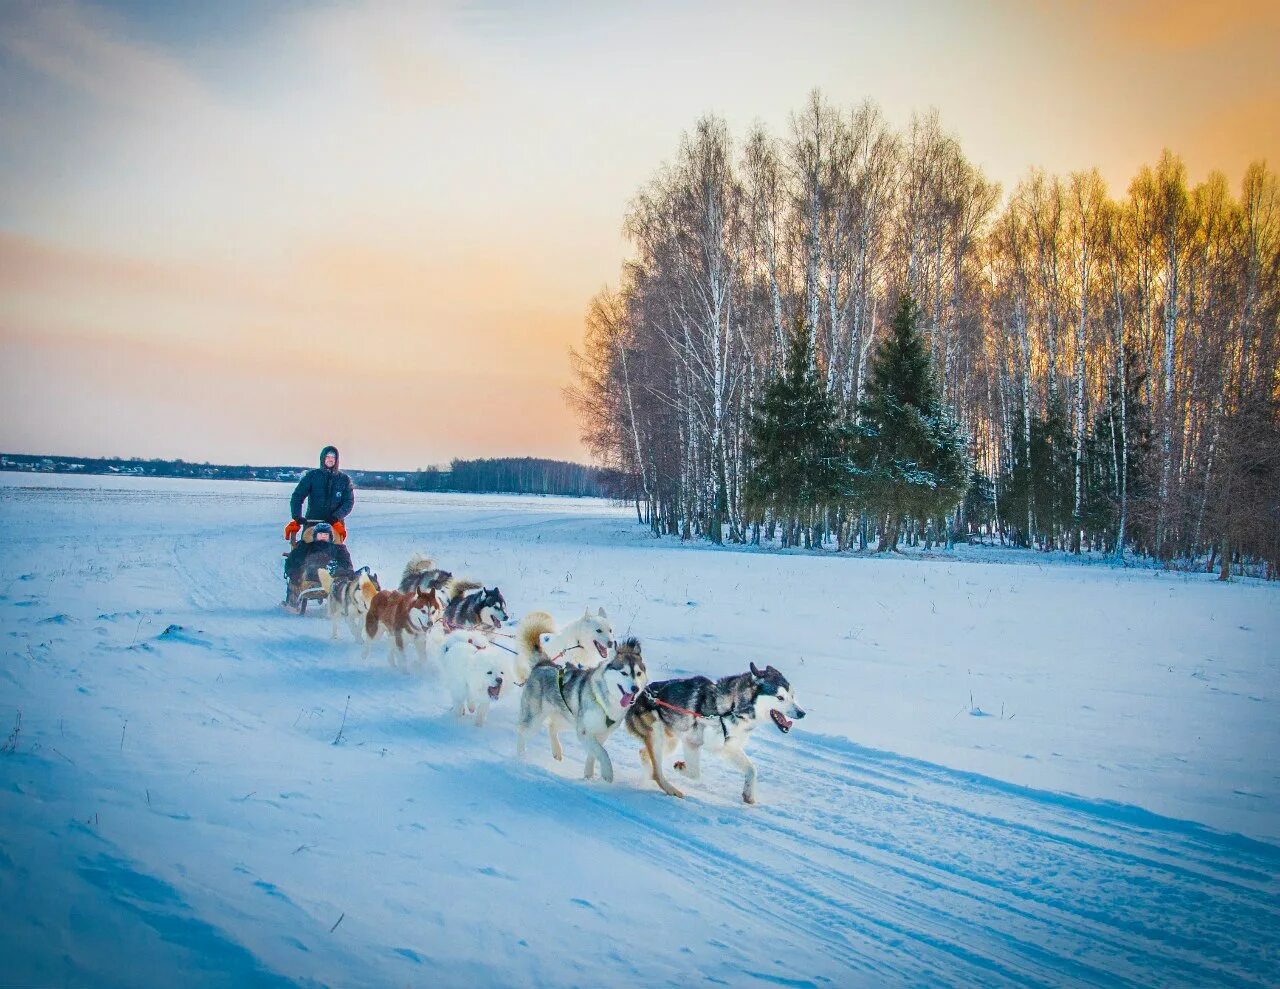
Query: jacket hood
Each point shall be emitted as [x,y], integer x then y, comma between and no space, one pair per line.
[337,461]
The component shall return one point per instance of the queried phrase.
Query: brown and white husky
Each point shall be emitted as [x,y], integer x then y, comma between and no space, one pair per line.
[409,616]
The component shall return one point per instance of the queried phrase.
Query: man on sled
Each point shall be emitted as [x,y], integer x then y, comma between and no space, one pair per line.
[318,534]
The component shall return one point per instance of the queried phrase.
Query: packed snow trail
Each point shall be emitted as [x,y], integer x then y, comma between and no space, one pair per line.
[201,784]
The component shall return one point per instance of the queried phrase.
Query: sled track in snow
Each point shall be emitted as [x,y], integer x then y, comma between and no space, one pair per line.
[872,868]
[906,872]
[910,873]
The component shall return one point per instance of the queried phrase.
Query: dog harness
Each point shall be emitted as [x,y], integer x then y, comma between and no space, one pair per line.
[451,627]
[731,713]
[608,721]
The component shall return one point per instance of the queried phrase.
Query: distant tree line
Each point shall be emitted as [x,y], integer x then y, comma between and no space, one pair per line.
[140,467]
[514,475]
[1112,363]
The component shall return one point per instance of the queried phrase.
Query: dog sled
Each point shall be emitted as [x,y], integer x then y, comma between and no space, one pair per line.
[313,546]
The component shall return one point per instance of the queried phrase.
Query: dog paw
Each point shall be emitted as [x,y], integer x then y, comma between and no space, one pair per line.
[748,798]
[679,764]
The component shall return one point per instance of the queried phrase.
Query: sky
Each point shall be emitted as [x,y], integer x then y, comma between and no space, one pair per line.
[238,231]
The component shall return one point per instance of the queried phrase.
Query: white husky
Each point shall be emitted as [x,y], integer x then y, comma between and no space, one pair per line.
[473,671]
[587,641]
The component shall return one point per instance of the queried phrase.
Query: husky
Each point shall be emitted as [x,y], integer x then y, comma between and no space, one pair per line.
[473,605]
[421,574]
[473,672]
[671,711]
[580,642]
[592,702]
[349,593]
[403,616]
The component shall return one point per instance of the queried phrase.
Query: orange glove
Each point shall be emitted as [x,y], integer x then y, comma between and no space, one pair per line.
[291,530]
[340,530]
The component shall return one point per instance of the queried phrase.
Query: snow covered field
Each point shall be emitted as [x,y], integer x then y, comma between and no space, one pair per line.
[1012,773]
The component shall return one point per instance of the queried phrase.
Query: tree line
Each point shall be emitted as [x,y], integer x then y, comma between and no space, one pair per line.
[513,475]
[508,475]
[1108,361]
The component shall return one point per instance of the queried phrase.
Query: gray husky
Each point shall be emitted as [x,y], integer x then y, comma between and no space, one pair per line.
[421,575]
[593,702]
[671,711]
[472,605]
[349,594]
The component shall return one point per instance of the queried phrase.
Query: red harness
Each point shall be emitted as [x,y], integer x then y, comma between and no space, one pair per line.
[672,707]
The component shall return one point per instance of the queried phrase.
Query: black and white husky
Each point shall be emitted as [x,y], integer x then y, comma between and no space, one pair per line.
[473,605]
[592,702]
[668,712]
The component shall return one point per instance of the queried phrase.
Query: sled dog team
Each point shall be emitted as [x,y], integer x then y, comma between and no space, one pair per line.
[574,678]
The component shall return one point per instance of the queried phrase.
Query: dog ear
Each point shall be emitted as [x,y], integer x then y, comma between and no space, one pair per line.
[755,672]
[770,669]
[586,612]
[602,614]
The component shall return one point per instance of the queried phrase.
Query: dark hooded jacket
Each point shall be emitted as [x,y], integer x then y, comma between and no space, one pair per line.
[328,492]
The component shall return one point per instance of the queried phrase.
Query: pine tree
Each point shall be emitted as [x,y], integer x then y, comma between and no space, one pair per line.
[909,459]
[793,446]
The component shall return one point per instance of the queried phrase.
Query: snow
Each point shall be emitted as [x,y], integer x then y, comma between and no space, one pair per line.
[1012,772]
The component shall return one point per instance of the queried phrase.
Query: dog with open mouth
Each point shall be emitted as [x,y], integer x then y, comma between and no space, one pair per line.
[671,712]
[585,641]
[473,671]
[592,702]
[470,604]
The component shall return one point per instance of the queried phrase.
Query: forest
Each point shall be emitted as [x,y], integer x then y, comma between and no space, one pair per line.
[1101,364]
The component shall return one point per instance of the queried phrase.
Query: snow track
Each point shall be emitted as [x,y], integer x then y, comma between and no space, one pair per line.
[221,790]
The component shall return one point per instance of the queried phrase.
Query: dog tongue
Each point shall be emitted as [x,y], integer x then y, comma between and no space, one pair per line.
[626,699]
[604,653]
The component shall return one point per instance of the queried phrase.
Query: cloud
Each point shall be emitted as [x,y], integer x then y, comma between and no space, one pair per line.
[83,49]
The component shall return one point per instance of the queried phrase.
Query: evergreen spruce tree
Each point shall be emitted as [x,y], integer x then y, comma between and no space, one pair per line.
[909,458]
[978,506]
[1048,481]
[794,446]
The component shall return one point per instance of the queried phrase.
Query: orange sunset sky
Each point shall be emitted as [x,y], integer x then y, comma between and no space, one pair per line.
[236,231]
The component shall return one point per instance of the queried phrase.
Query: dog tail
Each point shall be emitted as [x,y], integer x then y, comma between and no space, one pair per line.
[456,587]
[418,564]
[373,615]
[529,633]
